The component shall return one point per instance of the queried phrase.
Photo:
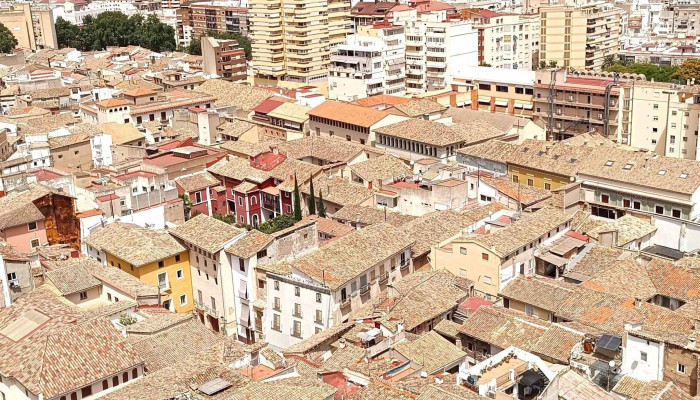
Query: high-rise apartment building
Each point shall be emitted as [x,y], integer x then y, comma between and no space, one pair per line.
[219,16]
[224,58]
[579,37]
[509,41]
[369,63]
[32,26]
[292,41]
[438,44]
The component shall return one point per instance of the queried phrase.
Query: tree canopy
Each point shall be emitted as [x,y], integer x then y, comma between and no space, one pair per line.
[113,28]
[689,70]
[8,41]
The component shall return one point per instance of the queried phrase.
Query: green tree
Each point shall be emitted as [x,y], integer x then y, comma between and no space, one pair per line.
[277,224]
[321,206]
[228,218]
[154,35]
[186,203]
[195,48]
[126,319]
[312,197]
[67,34]
[553,64]
[8,41]
[543,64]
[689,70]
[297,200]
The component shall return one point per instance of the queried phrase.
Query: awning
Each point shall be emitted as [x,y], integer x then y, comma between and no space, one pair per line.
[553,259]
[501,103]
[528,106]
[245,315]
[520,104]
[486,100]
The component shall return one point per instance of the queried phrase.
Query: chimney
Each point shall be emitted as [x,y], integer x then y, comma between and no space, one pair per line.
[637,302]
[341,343]
[548,149]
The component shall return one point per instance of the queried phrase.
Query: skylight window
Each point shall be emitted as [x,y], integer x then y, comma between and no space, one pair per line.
[609,163]
[662,172]
[627,166]
[555,157]
[526,149]
[684,175]
[539,153]
[573,160]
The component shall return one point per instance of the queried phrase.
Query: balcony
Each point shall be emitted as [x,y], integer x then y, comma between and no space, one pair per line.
[365,289]
[201,306]
[345,302]
[384,277]
[404,265]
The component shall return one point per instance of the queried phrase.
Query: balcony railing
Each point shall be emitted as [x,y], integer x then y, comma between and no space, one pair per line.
[211,311]
[404,265]
[345,303]
[365,289]
[383,277]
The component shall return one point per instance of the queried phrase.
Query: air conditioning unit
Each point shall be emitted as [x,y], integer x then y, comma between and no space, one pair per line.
[14,283]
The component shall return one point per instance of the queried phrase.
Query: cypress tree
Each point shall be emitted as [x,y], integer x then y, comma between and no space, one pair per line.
[297,200]
[312,197]
[321,207]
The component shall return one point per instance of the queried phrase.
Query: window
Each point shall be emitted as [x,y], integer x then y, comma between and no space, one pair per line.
[276,322]
[462,273]
[297,310]
[32,226]
[680,368]
[109,296]
[463,250]
[34,243]
[676,213]
[656,106]
[105,385]
[642,356]
[276,285]
[484,256]
[276,304]
[297,291]
[115,381]
[241,265]
[530,182]
[604,198]
[183,299]
[659,210]
[262,253]
[86,391]
[296,332]
[198,197]
[240,200]
[163,280]
[516,179]
[125,377]
[213,303]
[627,203]
[318,297]
[637,205]
[487,280]
[161,264]
[83,295]
[319,317]
[11,276]
[180,274]
[529,310]
[134,373]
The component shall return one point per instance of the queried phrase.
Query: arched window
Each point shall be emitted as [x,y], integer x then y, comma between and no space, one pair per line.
[105,385]
[134,373]
[74,396]
[125,377]
[255,220]
[115,381]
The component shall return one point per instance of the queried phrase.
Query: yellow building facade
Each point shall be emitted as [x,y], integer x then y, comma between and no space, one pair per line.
[532,177]
[173,272]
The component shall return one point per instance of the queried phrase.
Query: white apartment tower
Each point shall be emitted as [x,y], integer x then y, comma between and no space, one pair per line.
[369,63]
[508,41]
[438,44]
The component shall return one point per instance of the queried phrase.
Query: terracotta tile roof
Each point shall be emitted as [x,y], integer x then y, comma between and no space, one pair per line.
[238,95]
[329,335]
[351,255]
[503,329]
[561,158]
[112,103]
[17,207]
[291,112]
[424,297]
[448,392]
[239,169]
[345,357]
[58,356]
[133,244]
[328,226]
[439,134]
[246,148]
[289,167]
[371,215]
[206,232]
[198,181]
[507,240]
[527,195]
[139,91]
[433,228]
[235,129]
[597,260]
[447,328]
[635,389]
[378,390]
[121,133]
[157,320]
[267,106]
[250,244]
[432,351]
[381,168]
[338,190]
[644,169]
[348,113]
[301,388]
[371,8]
[8,252]
[557,342]
[71,279]
[626,278]
[541,292]
[173,345]
[329,149]
[574,386]
[419,107]
[501,121]
[628,227]
[675,281]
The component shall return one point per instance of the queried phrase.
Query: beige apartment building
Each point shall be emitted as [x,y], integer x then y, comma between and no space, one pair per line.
[33,27]
[579,37]
[292,41]
[224,58]
[663,118]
